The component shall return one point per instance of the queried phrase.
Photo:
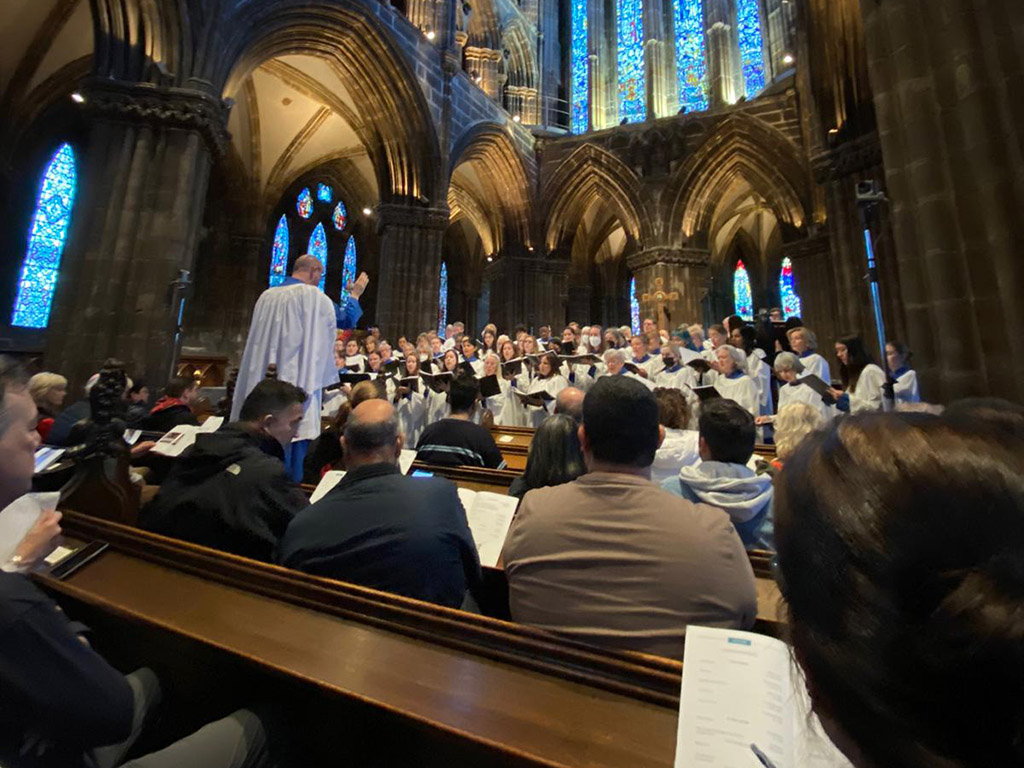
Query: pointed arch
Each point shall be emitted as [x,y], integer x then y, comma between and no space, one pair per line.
[742,147]
[789,299]
[279,253]
[442,299]
[47,237]
[592,174]
[349,266]
[742,298]
[318,249]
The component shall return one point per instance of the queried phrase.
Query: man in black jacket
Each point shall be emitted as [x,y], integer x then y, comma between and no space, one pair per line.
[230,490]
[173,409]
[381,529]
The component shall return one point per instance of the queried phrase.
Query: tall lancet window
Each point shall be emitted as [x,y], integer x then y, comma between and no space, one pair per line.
[630,29]
[634,308]
[279,253]
[442,301]
[791,304]
[348,269]
[318,249]
[691,63]
[743,302]
[580,68]
[47,236]
[748,24]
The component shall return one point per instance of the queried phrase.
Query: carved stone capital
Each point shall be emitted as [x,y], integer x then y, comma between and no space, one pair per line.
[847,159]
[413,215]
[682,257]
[160,107]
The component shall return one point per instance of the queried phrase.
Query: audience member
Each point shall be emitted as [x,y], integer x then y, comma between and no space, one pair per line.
[681,445]
[48,391]
[792,424]
[554,456]
[230,491]
[382,529]
[138,404]
[455,441]
[723,479]
[173,409]
[325,453]
[612,559]
[65,421]
[570,403]
[900,542]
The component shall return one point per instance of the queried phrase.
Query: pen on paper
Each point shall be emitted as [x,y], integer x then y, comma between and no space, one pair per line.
[762,757]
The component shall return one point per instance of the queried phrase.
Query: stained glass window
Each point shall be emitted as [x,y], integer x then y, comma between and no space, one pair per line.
[748,23]
[634,308]
[580,68]
[442,301]
[348,269]
[340,217]
[742,300]
[279,253]
[630,30]
[304,204]
[324,193]
[318,249]
[791,304]
[48,233]
[690,61]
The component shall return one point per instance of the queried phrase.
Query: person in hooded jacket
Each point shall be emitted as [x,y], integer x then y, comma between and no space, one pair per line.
[723,479]
[230,491]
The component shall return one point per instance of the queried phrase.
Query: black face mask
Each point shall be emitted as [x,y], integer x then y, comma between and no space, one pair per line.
[669,362]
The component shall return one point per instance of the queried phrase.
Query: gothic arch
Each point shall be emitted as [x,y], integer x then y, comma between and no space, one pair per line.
[144,40]
[591,174]
[397,123]
[742,148]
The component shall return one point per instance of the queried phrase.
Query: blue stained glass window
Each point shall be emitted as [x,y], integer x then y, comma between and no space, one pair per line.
[304,204]
[690,57]
[442,300]
[340,217]
[580,68]
[279,253]
[791,304]
[348,269]
[318,249]
[324,193]
[748,23]
[634,308]
[49,232]
[742,300]
[630,30]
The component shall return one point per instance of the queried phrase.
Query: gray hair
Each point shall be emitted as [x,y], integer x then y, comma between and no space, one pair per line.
[739,357]
[787,361]
[792,424]
[617,354]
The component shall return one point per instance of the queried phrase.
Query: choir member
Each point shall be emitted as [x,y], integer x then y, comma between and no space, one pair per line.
[508,350]
[339,354]
[615,361]
[744,337]
[681,446]
[733,383]
[642,359]
[374,362]
[385,352]
[897,358]
[676,375]
[497,404]
[423,348]
[862,379]
[355,360]
[369,344]
[805,344]
[788,369]
[489,341]
[469,352]
[410,406]
[546,379]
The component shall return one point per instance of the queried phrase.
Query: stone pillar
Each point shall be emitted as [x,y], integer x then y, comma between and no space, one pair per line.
[679,276]
[948,77]
[579,301]
[522,101]
[527,289]
[725,72]
[410,267]
[482,66]
[144,180]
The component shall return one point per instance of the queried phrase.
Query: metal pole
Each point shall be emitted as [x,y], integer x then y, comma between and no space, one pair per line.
[868,203]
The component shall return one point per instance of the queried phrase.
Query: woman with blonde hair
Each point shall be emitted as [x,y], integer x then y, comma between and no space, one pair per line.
[48,391]
[792,424]
[804,344]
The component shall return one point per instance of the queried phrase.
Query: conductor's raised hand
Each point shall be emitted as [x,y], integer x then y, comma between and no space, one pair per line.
[356,288]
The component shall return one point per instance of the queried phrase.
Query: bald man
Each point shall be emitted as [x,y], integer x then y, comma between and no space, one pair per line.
[294,327]
[381,529]
[570,402]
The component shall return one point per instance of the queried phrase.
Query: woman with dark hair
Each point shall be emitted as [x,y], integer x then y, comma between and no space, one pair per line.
[900,539]
[744,338]
[555,457]
[680,448]
[545,379]
[897,359]
[862,379]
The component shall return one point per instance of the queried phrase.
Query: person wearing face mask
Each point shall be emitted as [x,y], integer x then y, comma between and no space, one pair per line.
[230,490]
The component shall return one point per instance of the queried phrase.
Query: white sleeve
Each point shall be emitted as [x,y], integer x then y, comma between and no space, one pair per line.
[907,389]
[868,394]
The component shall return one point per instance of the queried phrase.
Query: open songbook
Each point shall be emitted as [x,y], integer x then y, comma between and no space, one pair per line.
[175,442]
[489,516]
[706,393]
[332,478]
[539,399]
[489,386]
[439,382]
[818,385]
[742,689]
[580,359]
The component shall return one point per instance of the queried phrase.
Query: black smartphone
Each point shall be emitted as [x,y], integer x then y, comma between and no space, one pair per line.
[77,559]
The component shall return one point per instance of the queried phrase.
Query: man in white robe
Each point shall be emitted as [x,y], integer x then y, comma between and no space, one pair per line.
[294,326]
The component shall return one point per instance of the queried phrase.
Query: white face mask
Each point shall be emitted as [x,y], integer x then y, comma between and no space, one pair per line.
[595,341]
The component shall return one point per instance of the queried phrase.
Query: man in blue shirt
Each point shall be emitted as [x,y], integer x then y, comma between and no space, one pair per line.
[348,312]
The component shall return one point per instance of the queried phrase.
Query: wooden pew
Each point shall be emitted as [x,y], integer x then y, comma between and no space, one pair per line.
[423,685]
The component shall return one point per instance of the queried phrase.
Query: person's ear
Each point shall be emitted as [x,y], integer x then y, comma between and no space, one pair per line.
[581,434]
[399,444]
[344,445]
[265,421]
[702,448]
[661,434]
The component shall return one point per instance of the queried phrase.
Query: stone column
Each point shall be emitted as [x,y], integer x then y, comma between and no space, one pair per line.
[681,274]
[410,267]
[948,77]
[144,178]
[527,289]
[725,73]
[482,65]
[579,301]
[814,280]
[656,55]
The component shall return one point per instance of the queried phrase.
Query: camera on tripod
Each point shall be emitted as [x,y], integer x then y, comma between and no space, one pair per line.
[870,193]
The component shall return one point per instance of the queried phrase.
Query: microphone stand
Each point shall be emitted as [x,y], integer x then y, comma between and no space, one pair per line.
[869,197]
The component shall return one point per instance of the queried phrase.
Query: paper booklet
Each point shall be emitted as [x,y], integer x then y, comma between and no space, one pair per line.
[741,689]
[332,478]
[580,359]
[539,399]
[46,456]
[489,516]
[705,393]
[174,443]
[489,386]
[18,517]
[818,385]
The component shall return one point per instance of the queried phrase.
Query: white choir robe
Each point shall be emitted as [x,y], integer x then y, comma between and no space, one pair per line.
[867,395]
[681,448]
[411,411]
[818,365]
[740,388]
[799,393]
[531,415]
[437,406]
[294,327]
[683,378]
[581,375]
[757,369]
[906,388]
[652,365]
[497,404]
[357,363]
[712,357]
[646,382]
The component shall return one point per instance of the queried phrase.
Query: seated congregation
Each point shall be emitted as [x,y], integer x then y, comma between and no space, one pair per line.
[647,484]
